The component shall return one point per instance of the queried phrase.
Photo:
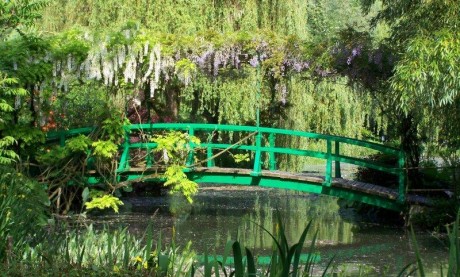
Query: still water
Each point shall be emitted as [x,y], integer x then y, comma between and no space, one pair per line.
[222,213]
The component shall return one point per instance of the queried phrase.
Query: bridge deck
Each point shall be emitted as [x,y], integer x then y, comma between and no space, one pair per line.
[261,144]
[302,177]
[233,173]
[336,182]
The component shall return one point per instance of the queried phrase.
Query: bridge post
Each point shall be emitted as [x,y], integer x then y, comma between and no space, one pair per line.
[148,158]
[189,162]
[338,173]
[257,163]
[328,176]
[124,159]
[271,141]
[210,162]
[402,177]
[62,139]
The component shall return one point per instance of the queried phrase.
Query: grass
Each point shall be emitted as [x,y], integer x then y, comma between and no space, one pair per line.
[285,259]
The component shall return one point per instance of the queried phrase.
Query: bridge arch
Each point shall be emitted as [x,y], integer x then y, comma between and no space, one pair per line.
[263,142]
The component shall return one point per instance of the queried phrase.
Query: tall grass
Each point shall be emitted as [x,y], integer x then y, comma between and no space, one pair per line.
[285,259]
[453,262]
[106,252]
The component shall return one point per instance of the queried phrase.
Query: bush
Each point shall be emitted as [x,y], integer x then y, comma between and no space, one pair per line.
[377,177]
[23,209]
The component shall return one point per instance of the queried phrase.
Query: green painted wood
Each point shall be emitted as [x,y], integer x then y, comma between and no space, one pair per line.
[263,130]
[124,159]
[363,198]
[148,158]
[328,174]
[191,145]
[143,145]
[402,178]
[56,135]
[210,161]
[62,139]
[310,187]
[254,176]
[338,173]
[367,163]
[257,157]
[272,158]
[289,151]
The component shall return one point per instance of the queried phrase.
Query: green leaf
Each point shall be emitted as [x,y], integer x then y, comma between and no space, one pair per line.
[80,143]
[85,195]
[128,188]
[104,149]
[238,259]
[104,202]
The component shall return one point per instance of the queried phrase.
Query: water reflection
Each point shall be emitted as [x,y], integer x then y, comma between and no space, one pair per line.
[222,213]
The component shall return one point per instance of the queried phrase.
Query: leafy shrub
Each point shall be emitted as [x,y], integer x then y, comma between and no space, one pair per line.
[377,177]
[23,209]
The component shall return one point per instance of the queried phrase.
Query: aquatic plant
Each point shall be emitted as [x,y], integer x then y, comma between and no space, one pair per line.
[285,260]
[108,252]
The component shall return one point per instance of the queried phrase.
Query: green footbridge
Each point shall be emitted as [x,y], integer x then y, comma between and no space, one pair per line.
[260,142]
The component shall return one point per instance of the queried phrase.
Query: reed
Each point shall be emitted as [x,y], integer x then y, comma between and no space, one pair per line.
[285,259]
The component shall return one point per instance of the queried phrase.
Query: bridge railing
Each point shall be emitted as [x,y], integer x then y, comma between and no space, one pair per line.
[62,135]
[332,155]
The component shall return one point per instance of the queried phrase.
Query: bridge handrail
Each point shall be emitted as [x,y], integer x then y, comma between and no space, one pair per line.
[240,128]
[330,156]
[61,135]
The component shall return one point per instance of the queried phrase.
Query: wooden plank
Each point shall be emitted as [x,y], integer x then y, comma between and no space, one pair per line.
[365,187]
[351,185]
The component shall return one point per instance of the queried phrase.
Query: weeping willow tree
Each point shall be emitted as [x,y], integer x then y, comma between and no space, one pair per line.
[206,61]
[181,16]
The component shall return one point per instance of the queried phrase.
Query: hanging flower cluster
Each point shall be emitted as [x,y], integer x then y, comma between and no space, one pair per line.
[134,56]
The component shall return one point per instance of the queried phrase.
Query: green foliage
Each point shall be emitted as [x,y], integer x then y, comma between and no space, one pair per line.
[185,70]
[7,156]
[82,105]
[241,158]
[23,210]
[61,155]
[8,92]
[104,148]
[104,202]
[90,252]
[188,17]
[71,42]
[178,181]
[427,74]
[113,127]
[454,247]
[425,84]
[52,156]
[17,13]
[285,260]
[80,143]
[175,146]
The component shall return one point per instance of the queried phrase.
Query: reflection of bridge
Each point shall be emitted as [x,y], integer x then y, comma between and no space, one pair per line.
[260,142]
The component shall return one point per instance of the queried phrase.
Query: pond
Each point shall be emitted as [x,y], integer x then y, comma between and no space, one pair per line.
[222,213]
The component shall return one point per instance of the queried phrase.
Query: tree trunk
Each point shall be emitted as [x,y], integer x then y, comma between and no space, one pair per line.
[410,144]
